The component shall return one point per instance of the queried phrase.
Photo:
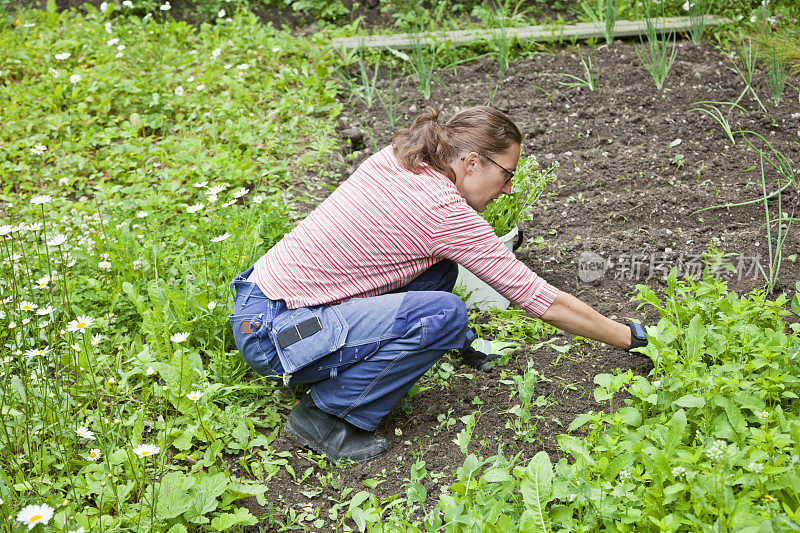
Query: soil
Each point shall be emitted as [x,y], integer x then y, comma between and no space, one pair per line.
[635,164]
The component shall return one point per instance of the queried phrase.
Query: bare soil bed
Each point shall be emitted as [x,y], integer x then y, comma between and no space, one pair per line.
[626,188]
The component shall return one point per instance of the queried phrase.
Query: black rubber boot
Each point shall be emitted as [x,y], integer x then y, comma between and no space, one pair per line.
[332,436]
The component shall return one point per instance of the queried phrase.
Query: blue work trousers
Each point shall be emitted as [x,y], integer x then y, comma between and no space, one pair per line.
[362,355]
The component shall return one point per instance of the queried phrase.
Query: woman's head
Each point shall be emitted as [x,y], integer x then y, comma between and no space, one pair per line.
[476,149]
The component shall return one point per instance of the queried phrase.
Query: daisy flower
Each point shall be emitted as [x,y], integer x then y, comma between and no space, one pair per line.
[194,208]
[43,282]
[216,189]
[221,13]
[27,306]
[97,339]
[45,310]
[57,240]
[200,87]
[241,192]
[62,56]
[94,455]
[37,352]
[145,450]
[243,66]
[179,91]
[32,515]
[104,265]
[200,184]
[165,6]
[80,324]
[39,149]
[216,52]
[112,42]
[179,337]
[195,395]
[85,433]
[211,305]
[128,4]
[75,78]
[220,238]
[53,72]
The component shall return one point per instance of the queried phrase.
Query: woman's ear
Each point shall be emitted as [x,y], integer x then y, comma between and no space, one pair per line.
[471,161]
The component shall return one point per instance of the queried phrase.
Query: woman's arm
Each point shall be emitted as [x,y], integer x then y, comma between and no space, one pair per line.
[572,315]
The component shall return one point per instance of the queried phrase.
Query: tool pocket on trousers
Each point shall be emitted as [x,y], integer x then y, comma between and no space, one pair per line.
[307,334]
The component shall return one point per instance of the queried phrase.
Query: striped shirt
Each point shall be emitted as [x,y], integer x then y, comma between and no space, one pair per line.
[380,229]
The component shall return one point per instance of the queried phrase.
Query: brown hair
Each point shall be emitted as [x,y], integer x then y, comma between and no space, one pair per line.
[481,129]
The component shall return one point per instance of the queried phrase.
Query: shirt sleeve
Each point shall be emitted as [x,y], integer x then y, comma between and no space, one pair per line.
[467,239]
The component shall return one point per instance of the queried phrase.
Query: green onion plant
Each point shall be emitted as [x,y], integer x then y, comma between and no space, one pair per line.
[744,61]
[776,75]
[591,72]
[657,55]
[712,109]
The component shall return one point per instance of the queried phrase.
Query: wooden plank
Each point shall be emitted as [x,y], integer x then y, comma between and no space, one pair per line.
[548,32]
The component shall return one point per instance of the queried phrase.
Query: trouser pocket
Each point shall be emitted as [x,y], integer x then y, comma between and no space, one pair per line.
[304,335]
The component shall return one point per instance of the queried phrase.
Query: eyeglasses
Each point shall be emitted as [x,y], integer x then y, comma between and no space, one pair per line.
[509,173]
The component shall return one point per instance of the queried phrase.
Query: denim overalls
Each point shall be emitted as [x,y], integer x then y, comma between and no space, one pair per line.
[362,355]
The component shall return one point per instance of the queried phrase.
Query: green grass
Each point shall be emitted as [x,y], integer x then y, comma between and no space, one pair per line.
[137,182]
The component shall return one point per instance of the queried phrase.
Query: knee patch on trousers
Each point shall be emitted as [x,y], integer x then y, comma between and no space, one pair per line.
[442,316]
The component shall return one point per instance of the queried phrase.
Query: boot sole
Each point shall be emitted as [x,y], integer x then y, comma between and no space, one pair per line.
[307,440]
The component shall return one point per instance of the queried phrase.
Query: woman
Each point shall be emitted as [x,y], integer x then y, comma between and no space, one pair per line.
[357,299]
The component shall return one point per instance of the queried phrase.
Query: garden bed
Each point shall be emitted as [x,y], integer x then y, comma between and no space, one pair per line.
[635,163]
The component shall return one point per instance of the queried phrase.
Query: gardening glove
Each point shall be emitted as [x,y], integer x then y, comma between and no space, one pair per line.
[638,335]
[480,353]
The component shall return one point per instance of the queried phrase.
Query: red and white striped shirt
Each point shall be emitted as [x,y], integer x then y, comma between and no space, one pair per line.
[380,229]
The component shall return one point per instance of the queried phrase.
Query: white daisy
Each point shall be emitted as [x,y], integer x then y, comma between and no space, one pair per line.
[104,265]
[37,352]
[43,282]
[165,6]
[146,450]
[150,371]
[216,52]
[128,4]
[220,238]
[221,13]
[211,306]
[179,91]
[243,66]
[195,395]
[80,324]
[216,189]
[39,149]
[45,311]
[179,337]
[200,87]
[62,56]
[94,455]
[141,214]
[33,515]
[241,192]
[53,72]
[194,208]
[121,47]
[57,240]
[75,78]
[200,184]
[97,339]
[190,79]
[112,42]
[45,198]
[84,432]
[258,199]
[24,305]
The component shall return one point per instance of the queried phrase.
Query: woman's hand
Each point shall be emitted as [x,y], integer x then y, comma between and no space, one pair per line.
[570,314]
